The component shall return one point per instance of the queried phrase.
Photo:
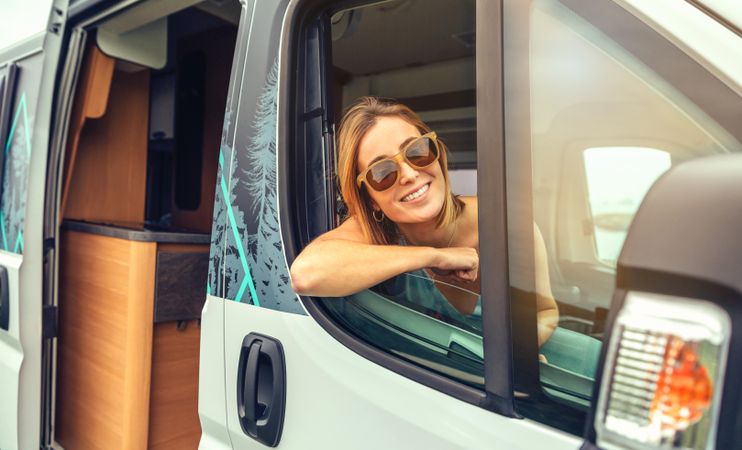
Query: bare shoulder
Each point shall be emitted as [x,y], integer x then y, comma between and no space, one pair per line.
[349,230]
[470,219]
[471,211]
[470,201]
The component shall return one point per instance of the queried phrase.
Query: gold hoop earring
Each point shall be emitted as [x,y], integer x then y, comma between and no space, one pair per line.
[378,219]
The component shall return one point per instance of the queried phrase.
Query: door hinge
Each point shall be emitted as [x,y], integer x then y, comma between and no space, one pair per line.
[49,322]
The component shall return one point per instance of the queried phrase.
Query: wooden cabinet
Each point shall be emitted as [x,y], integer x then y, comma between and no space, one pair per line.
[124,380]
[129,299]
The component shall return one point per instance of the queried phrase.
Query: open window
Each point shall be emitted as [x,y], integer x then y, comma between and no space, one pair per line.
[422,55]
[135,216]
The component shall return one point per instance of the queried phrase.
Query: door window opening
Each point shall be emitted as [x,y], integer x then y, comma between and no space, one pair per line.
[618,178]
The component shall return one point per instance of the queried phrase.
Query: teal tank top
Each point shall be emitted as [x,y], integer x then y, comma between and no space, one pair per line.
[418,290]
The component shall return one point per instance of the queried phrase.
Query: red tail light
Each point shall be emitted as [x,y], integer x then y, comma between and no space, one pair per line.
[683,391]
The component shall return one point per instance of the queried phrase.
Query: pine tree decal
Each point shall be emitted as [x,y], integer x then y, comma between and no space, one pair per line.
[238,281]
[269,265]
[219,222]
[17,154]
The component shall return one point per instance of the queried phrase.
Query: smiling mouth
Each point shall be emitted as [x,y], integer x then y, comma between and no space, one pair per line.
[423,189]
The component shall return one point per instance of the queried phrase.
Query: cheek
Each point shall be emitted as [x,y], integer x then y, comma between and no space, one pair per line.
[380,199]
[436,173]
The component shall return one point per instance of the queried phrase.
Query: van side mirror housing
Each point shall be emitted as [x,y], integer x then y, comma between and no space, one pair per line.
[669,369]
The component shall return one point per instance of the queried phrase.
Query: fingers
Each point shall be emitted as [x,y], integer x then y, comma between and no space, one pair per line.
[467,275]
[441,272]
[462,263]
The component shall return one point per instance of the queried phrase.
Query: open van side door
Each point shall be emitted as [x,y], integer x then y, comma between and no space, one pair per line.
[27,77]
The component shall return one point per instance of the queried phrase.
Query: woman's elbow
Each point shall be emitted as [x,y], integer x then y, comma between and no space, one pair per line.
[300,279]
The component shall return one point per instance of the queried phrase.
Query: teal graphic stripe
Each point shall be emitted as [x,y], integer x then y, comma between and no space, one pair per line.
[21,108]
[247,281]
[18,243]
[2,228]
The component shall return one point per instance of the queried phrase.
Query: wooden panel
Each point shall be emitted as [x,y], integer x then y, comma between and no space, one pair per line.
[174,420]
[139,343]
[218,46]
[106,301]
[90,102]
[109,179]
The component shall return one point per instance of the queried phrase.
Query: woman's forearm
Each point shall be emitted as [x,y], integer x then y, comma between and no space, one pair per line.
[547,321]
[337,267]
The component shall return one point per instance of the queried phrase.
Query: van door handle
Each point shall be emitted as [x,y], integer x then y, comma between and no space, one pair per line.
[4,299]
[250,386]
[261,388]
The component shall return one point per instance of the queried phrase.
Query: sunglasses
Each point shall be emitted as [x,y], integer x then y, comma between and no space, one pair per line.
[418,153]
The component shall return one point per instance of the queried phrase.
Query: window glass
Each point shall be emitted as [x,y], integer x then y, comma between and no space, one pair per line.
[606,117]
[617,180]
[422,55]
[413,316]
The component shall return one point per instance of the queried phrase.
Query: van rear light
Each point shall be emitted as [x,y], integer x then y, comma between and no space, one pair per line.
[663,377]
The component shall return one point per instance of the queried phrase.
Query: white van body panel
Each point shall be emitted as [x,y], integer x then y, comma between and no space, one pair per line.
[211,408]
[12,369]
[698,34]
[355,403]
[21,345]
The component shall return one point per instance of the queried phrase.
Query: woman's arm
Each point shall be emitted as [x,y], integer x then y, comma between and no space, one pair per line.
[546,307]
[343,261]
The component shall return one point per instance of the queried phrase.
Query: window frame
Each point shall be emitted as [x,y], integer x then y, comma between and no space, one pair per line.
[642,42]
[292,156]
[531,402]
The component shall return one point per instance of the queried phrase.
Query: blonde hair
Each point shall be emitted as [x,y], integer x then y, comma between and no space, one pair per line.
[358,119]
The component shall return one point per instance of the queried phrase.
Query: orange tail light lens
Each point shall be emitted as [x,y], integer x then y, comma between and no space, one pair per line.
[683,391]
[663,374]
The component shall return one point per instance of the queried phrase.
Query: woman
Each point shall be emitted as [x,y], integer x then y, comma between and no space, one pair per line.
[403,216]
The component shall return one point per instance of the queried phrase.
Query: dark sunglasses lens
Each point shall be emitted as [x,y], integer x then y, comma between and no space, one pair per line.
[382,175]
[422,152]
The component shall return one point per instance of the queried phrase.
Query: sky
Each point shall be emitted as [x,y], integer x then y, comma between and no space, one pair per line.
[20,19]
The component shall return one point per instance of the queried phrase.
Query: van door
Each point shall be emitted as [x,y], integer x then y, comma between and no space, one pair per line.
[603,101]
[27,75]
[378,369]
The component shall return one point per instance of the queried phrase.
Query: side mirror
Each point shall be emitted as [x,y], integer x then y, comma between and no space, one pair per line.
[669,370]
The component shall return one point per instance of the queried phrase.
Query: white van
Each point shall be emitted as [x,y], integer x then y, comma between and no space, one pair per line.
[165,161]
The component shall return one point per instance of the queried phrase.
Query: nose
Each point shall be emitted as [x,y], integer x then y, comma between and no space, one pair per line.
[407,173]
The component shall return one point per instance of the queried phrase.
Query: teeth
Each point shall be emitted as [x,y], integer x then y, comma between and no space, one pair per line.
[416,194]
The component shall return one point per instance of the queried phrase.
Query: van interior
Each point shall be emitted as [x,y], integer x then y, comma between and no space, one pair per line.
[431,69]
[136,204]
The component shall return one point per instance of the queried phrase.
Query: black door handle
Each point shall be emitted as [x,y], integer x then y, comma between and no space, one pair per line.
[4,299]
[261,388]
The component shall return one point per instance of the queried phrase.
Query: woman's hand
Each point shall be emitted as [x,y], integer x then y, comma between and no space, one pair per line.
[461,262]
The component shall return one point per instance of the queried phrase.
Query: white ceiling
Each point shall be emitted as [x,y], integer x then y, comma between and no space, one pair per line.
[403,33]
